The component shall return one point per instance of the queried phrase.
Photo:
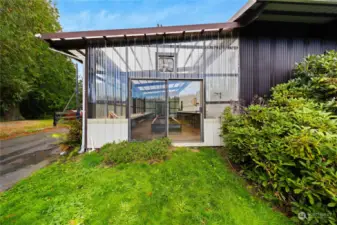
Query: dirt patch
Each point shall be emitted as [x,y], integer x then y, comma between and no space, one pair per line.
[172,148]
[21,134]
[13,129]
[224,154]
[154,161]
[195,150]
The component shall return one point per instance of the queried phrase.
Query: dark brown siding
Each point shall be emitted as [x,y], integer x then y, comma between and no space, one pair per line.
[268,53]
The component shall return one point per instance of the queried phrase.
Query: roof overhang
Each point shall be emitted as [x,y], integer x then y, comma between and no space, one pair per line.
[294,11]
[69,41]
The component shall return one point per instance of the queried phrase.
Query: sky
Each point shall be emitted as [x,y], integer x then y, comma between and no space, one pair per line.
[78,15]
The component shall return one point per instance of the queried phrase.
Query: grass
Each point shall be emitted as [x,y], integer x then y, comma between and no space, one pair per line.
[23,127]
[190,188]
[125,152]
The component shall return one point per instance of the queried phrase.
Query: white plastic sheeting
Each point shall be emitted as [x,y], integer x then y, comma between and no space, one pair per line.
[210,56]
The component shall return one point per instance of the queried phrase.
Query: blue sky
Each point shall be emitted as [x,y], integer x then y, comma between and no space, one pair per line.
[78,15]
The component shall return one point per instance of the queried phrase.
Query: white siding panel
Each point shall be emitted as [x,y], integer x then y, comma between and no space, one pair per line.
[211,135]
[103,131]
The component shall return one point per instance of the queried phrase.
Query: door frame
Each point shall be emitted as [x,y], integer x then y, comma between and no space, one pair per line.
[202,101]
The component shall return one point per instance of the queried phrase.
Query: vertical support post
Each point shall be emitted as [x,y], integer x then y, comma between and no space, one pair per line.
[115,91]
[175,61]
[90,63]
[93,62]
[144,105]
[128,97]
[106,100]
[157,59]
[203,92]
[237,36]
[204,76]
[55,120]
[129,108]
[127,82]
[202,101]
[77,105]
[167,108]
[85,103]
[121,80]
[85,100]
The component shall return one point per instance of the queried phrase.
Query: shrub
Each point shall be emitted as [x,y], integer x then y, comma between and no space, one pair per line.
[319,74]
[315,78]
[125,152]
[74,136]
[291,155]
[288,147]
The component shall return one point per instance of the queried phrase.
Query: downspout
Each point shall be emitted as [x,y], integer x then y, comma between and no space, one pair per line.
[82,149]
[84,83]
[84,103]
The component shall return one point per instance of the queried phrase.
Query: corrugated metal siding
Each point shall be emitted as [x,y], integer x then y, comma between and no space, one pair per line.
[267,61]
[246,68]
[264,65]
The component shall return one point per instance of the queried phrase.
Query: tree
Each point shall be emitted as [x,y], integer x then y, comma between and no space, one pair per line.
[29,72]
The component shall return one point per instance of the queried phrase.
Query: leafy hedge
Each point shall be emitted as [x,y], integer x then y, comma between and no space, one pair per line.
[288,147]
[125,152]
[74,136]
[315,78]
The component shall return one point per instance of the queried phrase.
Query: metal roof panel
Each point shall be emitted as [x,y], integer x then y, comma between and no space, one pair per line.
[302,9]
[295,19]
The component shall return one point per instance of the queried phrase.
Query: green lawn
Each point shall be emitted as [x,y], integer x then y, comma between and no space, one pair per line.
[189,188]
[23,127]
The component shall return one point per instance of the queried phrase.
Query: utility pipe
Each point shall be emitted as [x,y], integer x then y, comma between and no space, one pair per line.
[84,110]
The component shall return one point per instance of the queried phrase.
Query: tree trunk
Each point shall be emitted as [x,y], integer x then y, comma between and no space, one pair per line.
[13,113]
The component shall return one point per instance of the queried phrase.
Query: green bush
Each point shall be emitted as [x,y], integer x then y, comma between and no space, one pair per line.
[315,78]
[125,152]
[288,147]
[74,136]
[319,74]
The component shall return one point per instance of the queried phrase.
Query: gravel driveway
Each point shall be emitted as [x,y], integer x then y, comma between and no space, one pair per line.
[21,156]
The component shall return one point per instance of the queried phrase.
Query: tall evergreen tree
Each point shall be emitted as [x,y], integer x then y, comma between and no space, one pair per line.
[30,74]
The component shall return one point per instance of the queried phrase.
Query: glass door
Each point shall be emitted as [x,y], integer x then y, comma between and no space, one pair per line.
[148,109]
[185,110]
[160,108]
